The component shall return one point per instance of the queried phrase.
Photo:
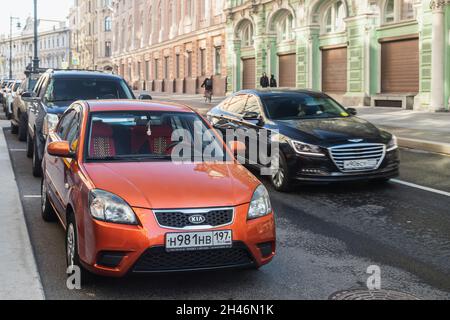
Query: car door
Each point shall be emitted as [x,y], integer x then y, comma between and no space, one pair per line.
[33,107]
[251,125]
[231,113]
[55,167]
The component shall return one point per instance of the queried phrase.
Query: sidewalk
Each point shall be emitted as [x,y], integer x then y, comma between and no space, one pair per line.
[416,130]
[19,278]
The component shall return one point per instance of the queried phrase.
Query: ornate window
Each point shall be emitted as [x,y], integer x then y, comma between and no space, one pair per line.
[398,10]
[245,33]
[334,17]
[283,27]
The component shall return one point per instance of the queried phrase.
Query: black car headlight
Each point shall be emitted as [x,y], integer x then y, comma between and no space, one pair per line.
[306,149]
[393,144]
[108,207]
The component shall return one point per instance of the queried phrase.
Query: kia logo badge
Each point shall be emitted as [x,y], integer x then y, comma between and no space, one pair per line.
[197,219]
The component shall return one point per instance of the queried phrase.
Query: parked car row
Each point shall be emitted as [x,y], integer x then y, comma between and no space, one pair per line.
[109,175]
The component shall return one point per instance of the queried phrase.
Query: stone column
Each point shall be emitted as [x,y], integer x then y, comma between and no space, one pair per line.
[438,59]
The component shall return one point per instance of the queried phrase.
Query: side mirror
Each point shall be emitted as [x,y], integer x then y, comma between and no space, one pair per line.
[145,97]
[28,96]
[352,111]
[251,116]
[60,149]
[237,147]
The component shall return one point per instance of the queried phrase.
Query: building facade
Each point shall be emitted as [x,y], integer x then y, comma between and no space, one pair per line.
[90,22]
[170,45]
[53,48]
[363,52]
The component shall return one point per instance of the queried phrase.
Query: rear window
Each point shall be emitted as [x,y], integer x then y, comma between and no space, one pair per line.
[60,90]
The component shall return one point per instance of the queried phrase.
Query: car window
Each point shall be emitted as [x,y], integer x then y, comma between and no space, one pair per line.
[64,124]
[237,104]
[42,87]
[60,90]
[252,105]
[73,132]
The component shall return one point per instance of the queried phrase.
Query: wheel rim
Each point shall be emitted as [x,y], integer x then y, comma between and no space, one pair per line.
[70,246]
[44,196]
[278,177]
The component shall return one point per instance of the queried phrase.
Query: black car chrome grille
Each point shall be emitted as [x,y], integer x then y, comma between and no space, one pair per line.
[180,219]
[341,154]
[158,260]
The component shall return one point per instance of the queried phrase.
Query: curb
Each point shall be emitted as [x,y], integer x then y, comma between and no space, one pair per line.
[20,276]
[424,145]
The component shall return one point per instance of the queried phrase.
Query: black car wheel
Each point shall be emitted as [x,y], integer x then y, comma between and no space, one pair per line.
[72,256]
[23,127]
[280,175]
[29,146]
[37,164]
[48,214]
[14,128]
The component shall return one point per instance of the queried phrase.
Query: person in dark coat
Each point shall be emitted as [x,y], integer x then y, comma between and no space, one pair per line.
[208,85]
[264,82]
[273,82]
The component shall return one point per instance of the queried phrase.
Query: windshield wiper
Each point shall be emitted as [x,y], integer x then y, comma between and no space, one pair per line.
[131,158]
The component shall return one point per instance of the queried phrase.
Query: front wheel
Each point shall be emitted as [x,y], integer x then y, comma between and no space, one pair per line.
[37,164]
[23,127]
[280,175]
[47,212]
[29,146]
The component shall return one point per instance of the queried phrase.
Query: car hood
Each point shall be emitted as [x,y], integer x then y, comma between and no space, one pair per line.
[326,131]
[167,185]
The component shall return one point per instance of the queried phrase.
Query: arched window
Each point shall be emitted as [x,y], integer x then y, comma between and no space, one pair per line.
[245,33]
[334,17]
[398,10]
[283,27]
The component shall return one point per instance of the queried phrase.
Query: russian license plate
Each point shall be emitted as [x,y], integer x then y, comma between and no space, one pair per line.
[360,164]
[194,241]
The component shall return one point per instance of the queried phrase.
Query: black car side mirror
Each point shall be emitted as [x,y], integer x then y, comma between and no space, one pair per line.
[145,97]
[28,96]
[251,116]
[352,111]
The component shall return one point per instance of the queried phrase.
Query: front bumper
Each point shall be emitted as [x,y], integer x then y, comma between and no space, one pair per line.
[317,170]
[116,250]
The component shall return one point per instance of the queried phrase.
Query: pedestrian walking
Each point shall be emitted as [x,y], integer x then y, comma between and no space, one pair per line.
[208,85]
[273,82]
[264,81]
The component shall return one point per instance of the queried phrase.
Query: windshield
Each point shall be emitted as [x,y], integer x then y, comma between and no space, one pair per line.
[16,86]
[31,84]
[162,136]
[293,106]
[61,90]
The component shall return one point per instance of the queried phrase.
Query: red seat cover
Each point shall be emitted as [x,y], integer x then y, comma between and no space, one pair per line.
[102,141]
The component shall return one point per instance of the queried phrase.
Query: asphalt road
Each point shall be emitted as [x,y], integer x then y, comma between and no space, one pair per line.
[327,238]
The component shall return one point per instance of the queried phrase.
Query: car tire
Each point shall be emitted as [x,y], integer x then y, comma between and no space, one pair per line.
[72,255]
[29,146]
[47,211]
[14,129]
[280,178]
[8,115]
[36,164]
[23,127]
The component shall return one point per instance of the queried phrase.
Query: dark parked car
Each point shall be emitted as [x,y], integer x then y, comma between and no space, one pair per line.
[55,91]
[320,141]
[19,116]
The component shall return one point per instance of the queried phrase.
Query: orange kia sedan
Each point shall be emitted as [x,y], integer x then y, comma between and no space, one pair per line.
[128,205]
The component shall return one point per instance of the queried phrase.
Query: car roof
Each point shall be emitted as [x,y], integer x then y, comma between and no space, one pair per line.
[83,74]
[278,91]
[136,105]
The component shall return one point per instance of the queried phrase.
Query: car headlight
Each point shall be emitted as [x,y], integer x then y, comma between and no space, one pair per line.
[108,207]
[393,144]
[50,123]
[306,149]
[260,205]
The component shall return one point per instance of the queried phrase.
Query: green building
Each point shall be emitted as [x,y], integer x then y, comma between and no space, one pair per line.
[363,52]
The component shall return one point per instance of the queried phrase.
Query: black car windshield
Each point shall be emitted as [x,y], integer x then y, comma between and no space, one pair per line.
[61,90]
[153,136]
[291,106]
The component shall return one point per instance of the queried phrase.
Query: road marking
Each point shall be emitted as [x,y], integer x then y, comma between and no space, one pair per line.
[18,150]
[413,185]
[32,196]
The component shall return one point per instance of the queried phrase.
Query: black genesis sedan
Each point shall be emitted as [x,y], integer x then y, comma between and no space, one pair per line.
[320,140]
